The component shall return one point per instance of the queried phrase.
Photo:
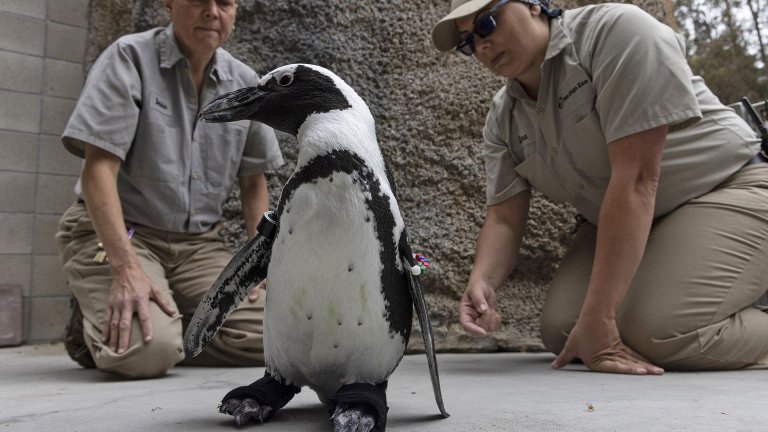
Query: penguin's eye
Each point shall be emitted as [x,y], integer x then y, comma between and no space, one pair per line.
[285,80]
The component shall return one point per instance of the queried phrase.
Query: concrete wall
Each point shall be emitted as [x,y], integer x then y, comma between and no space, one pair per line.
[42,48]
[430,109]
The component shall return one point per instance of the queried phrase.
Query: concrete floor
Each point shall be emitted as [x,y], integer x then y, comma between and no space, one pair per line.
[42,390]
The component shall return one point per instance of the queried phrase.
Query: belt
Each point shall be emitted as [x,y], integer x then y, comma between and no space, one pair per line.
[758,158]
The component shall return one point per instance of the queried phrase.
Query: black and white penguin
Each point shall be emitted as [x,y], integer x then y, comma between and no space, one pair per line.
[342,277]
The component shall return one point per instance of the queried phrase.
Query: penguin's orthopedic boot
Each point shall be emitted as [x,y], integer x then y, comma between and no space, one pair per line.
[258,401]
[359,408]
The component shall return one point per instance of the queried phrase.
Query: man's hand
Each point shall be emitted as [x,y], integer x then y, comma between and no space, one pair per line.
[130,294]
[598,344]
[477,310]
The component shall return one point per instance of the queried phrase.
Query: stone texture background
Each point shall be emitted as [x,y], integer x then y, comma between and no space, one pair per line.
[430,109]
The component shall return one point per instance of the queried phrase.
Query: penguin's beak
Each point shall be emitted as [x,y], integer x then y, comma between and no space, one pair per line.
[237,105]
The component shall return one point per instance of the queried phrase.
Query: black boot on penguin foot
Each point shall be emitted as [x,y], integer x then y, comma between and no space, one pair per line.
[359,408]
[258,401]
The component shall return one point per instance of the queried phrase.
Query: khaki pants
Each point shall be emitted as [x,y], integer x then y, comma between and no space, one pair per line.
[183,267]
[690,304]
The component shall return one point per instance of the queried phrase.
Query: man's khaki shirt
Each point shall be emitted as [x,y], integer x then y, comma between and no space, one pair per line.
[610,71]
[139,103]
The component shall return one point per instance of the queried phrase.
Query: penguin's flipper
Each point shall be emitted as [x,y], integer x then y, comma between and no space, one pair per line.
[246,269]
[417,295]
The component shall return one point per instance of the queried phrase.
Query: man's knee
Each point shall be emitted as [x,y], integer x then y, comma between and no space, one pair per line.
[146,360]
[142,359]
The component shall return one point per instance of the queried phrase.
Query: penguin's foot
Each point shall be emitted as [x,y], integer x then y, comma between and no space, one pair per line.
[353,418]
[245,410]
[359,407]
[257,401]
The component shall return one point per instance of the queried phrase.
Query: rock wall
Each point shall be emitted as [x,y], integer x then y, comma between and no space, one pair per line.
[430,109]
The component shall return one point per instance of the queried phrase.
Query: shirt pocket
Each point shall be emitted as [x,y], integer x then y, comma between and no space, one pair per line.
[223,152]
[156,152]
[539,176]
[582,141]
[586,149]
[576,98]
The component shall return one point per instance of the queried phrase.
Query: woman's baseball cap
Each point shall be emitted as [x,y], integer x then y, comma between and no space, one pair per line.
[445,35]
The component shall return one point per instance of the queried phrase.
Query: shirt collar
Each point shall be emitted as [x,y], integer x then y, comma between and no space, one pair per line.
[558,41]
[220,69]
[170,55]
[558,38]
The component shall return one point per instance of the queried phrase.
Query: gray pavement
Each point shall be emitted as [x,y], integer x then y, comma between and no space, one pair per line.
[42,390]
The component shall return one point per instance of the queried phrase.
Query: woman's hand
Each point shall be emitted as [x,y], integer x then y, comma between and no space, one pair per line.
[477,310]
[496,253]
[596,341]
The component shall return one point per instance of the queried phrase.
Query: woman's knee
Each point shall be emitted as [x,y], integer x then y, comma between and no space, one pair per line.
[559,315]
[659,338]
[555,328]
[568,289]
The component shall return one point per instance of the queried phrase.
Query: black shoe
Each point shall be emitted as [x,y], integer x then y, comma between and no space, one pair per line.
[74,341]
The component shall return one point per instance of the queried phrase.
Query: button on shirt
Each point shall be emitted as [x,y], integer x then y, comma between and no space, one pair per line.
[610,71]
[139,103]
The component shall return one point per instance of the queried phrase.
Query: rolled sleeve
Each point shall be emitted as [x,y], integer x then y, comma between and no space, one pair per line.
[107,113]
[640,74]
[502,181]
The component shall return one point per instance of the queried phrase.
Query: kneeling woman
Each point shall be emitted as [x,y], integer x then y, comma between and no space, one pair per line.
[602,111]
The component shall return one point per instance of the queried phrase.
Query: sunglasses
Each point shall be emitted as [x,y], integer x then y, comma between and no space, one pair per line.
[484,26]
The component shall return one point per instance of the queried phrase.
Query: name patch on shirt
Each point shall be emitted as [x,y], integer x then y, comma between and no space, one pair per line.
[156,103]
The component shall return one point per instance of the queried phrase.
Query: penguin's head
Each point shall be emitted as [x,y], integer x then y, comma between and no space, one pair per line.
[284,98]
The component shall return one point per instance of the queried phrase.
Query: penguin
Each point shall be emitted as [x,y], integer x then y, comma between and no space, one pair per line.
[343,281]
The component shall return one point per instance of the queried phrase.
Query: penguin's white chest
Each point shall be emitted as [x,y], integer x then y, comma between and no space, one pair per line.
[325,322]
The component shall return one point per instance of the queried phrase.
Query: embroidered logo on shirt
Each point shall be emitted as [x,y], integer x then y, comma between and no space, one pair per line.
[522,138]
[570,93]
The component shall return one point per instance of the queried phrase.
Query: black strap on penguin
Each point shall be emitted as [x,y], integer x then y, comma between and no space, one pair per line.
[266,391]
[761,127]
[267,225]
[374,397]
